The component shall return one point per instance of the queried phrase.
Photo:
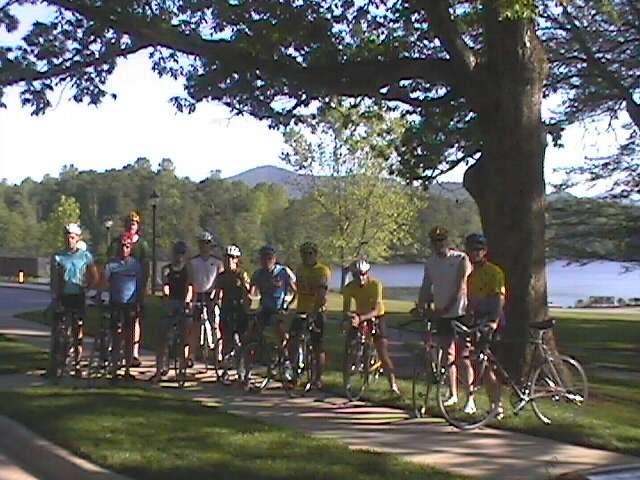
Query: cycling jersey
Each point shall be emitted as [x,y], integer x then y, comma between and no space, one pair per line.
[309,280]
[125,280]
[486,280]
[235,288]
[273,285]
[441,276]
[366,296]
[485,283]
[177,280]
[204,271]
[74,267]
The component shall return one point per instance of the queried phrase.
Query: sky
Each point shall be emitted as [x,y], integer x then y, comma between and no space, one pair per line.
[142,123]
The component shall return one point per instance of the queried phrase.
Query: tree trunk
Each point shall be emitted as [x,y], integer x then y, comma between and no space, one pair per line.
[507,183]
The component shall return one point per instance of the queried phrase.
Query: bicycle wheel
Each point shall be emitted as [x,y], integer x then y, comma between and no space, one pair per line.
[557,386]
[423,382]
[97,356]
[61,345]
[301,370]
[356,367]
[463,401]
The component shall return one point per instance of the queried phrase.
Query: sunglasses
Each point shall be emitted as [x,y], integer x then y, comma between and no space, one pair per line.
[232,257]
[125,245]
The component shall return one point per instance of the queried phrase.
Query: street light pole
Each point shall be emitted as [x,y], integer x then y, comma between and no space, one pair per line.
[108,223]
[153,199]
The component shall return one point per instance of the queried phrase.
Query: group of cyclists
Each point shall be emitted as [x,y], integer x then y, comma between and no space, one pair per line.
[457,285]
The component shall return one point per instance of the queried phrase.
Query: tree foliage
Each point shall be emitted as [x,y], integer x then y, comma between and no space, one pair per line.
[594,49]
[65,211]
[344,151]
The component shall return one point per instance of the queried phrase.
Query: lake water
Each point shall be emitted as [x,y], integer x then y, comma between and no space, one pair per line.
[567,283]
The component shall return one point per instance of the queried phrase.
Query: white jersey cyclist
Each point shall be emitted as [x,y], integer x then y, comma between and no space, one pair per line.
[204,271]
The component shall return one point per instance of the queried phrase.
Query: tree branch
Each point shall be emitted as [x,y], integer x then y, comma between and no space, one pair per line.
[463,57]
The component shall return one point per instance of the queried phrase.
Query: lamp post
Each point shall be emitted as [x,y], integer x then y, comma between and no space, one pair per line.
[153,200]
[108,223]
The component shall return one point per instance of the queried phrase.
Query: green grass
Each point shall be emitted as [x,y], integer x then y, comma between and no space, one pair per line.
[149,435]
[18,357]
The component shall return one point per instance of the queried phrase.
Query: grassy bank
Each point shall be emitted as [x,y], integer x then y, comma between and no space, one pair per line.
[18,357]
[148,435]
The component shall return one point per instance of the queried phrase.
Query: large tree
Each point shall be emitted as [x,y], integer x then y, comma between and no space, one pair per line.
[469,74]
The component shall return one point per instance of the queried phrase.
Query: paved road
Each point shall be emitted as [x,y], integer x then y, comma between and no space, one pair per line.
[487,453]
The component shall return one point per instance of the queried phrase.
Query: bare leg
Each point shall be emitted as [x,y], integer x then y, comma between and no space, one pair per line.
[382,346]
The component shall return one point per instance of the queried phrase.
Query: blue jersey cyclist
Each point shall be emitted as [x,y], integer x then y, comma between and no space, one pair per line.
[72,271]
[276,286]
[125,277]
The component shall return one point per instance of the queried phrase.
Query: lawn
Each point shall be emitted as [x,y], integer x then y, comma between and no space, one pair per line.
[150,435]
[18,357]
[609,420]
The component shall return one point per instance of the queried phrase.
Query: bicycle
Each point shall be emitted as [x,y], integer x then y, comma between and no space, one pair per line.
[208,339]
[297,371]
[361,363]
[174,350]
[552,381]
[265,361]
[428,371]
[64,352]
[122,318]
[99,356]
[234,360]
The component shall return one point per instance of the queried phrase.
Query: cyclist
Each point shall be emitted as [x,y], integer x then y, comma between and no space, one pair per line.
[141,251]
[204,270]
[231,294]
[312,282]
[125,279]
[71,271]
[367,294]
[444,288]
[275,284]
[178,290]
[487,289]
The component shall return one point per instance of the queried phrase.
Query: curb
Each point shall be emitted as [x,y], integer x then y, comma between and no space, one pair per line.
[26,286]
[46,460]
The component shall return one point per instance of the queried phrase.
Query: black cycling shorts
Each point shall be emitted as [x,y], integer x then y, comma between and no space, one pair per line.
[297,324]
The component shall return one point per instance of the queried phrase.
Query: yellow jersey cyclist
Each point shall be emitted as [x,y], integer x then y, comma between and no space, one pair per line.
[312,279]
[486,290]
[72,270]
[231,294]
[275,284]
[367,294]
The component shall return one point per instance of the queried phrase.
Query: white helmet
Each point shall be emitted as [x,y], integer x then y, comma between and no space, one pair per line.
[82,245]
[73,228]
[233,251]
[361,266]
[205,236]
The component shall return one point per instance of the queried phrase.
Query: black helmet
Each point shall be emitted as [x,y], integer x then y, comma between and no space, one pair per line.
[180,247]
[267,250]
[475,241]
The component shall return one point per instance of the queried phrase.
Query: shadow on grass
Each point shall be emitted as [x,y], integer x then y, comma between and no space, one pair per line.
[153,436]
[18,357]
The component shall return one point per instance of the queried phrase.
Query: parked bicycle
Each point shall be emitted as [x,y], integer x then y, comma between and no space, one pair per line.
[553,385]
[362,366]
[65,349]
[174,358]
[428,370]
[208,340]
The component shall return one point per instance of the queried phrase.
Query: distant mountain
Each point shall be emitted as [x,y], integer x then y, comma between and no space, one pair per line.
[295,182]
